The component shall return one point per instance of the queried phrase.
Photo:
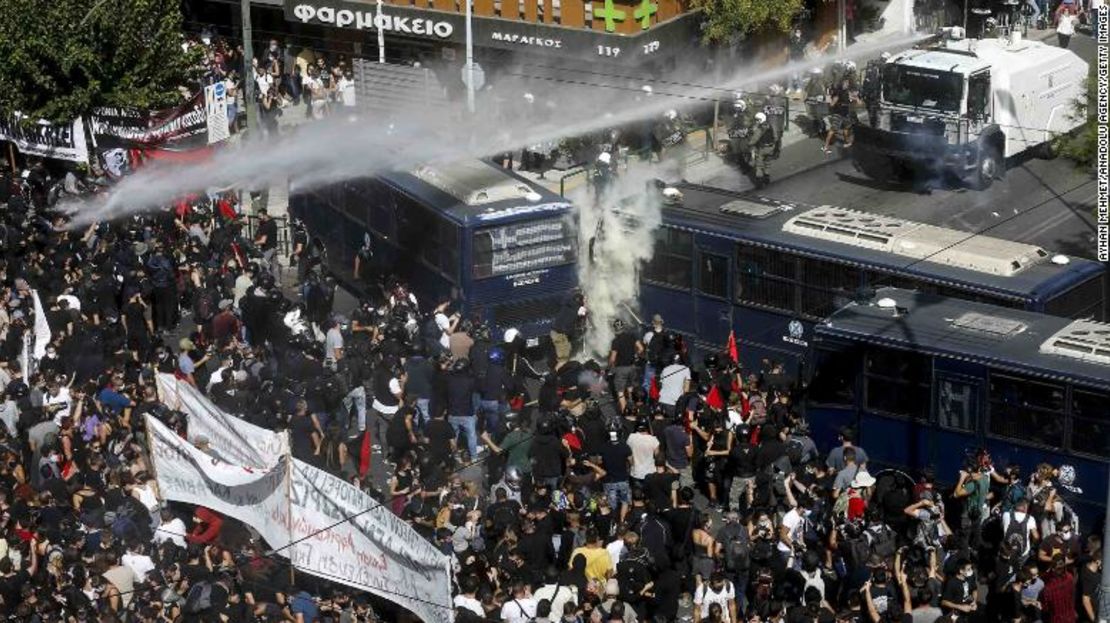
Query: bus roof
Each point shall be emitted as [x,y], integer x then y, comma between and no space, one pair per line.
[475,191]
[978,262]
[1029,342]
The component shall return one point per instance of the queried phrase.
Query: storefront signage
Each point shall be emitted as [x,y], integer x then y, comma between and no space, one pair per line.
[654,37]
[368,20]
[526,40]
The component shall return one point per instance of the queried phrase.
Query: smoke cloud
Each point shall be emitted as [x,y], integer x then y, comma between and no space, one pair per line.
[341,148]
[616,236]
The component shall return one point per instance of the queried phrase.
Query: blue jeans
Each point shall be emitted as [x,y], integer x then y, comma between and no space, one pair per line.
[467,424]
[649,373]
[356,397]
[492,409]
[423,415]
[618,493]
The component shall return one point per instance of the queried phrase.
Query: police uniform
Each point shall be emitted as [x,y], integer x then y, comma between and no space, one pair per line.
[763,148]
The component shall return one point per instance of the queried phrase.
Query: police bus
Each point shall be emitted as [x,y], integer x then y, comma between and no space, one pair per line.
[770,269]
[502,247]
[926,378]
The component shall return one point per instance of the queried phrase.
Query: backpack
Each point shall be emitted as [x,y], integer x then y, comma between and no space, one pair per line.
[503,518]
[882,541]
[737,549]
[762,552]
[199,598]
[856,552]
[1018,531]
[204,308]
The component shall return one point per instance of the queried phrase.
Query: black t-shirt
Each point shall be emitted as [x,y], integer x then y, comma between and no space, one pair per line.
[957,591]
[843,101]
[1088,586]
[439,434]
[614,460]
[625,346]
[548,455]
[658,487]
[11,586]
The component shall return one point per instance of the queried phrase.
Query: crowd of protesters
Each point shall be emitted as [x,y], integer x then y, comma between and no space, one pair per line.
[644,487]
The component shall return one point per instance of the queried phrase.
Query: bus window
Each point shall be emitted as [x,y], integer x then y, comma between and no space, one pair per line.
[713,279]
[1082,301]
[766,277]
[519,247]
[834,379]
[425,235]
[672,262]
[826,286]
[897,383]
[1027,410]
[957,403]
[1090,425]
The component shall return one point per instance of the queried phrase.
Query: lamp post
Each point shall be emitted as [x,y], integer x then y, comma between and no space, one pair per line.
[248,59]
[469,60]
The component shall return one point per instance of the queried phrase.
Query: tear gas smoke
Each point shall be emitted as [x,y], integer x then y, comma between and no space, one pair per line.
[616,234]
[343,148]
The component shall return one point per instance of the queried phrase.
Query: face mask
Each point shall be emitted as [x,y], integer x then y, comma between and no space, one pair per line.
[1065,534]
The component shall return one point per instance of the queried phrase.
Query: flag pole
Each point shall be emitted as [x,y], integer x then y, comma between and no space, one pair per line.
[289,504]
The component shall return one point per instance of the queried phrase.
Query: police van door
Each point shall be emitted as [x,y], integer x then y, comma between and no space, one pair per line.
[712,302]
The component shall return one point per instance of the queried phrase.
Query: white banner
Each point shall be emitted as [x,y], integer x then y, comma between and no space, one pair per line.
[374,550]
[231,439]
[215,102]
[42,328]
[65,141]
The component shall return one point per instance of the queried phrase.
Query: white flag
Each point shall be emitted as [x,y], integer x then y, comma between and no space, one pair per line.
[42,328]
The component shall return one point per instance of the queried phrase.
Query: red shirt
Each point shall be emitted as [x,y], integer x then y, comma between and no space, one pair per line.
[1058,597]
[857,506]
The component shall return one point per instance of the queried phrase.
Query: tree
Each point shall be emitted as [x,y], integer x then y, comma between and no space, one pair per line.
[59,59]
[1081,145]
[724,19]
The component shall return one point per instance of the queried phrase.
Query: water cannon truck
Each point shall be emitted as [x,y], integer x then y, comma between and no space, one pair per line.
[966,106]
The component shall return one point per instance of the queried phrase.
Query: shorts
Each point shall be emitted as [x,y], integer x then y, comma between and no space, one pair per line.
[624,377]
[839,122]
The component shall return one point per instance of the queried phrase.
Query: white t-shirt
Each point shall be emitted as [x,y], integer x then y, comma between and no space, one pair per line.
[519,610]
[1030,524]
[444,324]
[347,91]
[705,596]
[61,399]
[1065,25]
[471,604]
[794,523]
[616,550]
[172,531]
[138,564]
[672,381]
[264,82]
[643,447]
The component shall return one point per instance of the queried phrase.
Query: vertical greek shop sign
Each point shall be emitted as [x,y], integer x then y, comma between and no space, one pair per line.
[389,20]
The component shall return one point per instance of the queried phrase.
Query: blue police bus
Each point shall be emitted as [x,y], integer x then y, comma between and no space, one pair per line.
[504,248]
[769,270]
[924,378]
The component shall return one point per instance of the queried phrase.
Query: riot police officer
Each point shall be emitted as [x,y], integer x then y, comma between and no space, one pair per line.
[603,175]
[763,148]
[871,90]
[775,109]
[739,129]
[670,138]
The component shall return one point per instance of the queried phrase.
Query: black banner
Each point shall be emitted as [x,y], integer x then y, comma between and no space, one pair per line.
[182,128]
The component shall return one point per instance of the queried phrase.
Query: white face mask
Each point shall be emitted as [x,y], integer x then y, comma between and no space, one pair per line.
[1019,516]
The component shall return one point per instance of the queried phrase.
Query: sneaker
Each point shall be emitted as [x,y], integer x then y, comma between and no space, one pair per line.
[375,447]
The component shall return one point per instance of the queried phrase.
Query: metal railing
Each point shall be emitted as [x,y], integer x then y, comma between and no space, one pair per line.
[284,237]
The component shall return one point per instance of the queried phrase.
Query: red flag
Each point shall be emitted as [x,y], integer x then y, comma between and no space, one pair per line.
[364,454]
[733,352]
[713,399]
[653,389]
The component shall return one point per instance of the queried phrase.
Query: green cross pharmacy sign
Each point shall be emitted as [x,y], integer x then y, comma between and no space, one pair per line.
[611,14]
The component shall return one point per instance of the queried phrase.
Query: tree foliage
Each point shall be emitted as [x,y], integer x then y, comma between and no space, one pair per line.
[61,58]
[1082,144]
[725,19]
